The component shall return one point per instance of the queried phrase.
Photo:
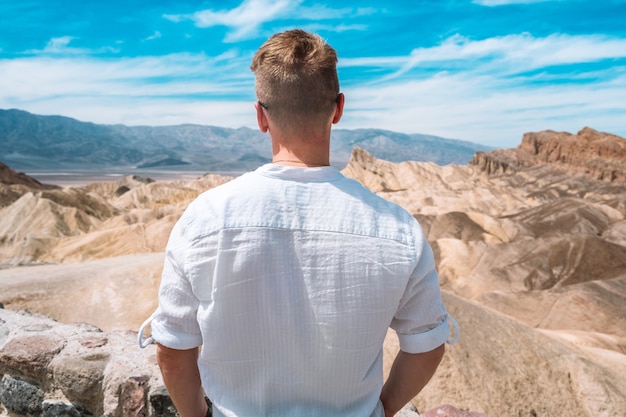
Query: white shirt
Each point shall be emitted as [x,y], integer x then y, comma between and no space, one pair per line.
[289,279]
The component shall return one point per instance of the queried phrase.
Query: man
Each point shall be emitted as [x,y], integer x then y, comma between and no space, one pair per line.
[289,276]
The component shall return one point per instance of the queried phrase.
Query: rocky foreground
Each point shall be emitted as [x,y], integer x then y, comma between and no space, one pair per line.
[530,244]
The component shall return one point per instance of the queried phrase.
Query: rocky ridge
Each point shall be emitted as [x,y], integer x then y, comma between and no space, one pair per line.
[538,252]
[597,154]
[131,215]
[13,184]
[10,177]
[531,251]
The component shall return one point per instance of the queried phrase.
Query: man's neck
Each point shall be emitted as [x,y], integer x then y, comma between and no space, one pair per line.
[301,159]
[306,152]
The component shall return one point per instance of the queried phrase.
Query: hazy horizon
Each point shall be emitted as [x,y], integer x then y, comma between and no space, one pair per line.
[484,71]
[80,176]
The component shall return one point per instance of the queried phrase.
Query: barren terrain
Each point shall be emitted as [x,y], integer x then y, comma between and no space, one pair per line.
[530,245]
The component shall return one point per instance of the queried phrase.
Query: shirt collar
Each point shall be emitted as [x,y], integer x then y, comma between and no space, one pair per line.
[315,174]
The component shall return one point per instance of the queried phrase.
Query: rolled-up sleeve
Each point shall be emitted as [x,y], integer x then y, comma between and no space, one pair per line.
[421,320]
[175,323]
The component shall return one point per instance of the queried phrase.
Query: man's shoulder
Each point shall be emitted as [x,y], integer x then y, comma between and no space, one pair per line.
[228,199]
[232,187]
[358,191]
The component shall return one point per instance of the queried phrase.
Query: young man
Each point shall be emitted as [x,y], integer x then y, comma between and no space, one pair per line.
[289,276]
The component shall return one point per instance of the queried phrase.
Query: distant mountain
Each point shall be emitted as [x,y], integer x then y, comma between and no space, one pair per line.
[30,141]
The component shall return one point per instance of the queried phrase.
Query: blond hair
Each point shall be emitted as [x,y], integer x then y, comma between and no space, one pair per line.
[296,78]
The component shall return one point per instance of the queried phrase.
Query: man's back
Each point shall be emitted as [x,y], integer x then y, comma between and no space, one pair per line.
[290,276]
[296,275]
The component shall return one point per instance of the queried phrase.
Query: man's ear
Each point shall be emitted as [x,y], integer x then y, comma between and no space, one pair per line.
[261,118]
[339,109]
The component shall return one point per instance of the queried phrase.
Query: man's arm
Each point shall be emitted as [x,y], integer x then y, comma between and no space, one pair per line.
[182,380]
[410,373]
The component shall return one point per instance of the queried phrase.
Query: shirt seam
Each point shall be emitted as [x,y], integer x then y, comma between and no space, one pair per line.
[336,176]
[202,236]
[321,180]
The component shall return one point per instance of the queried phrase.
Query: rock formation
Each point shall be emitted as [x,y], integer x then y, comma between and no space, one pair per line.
[131,215]
[11,177]
[532,255]
[53,369]
[530,245]
[13,184]
[450,411]
[597,154]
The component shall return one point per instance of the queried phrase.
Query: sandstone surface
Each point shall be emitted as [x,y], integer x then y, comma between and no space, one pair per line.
[54,369]
[530,245]
[597,154]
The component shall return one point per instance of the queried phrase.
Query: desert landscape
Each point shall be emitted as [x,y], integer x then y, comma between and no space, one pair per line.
[530,244]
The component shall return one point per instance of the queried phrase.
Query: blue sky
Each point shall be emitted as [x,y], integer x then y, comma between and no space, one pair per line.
[486,71]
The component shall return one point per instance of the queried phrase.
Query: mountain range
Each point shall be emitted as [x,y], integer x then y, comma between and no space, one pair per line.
[32,141]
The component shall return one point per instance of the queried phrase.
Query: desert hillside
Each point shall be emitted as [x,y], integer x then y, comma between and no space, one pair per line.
[530,245]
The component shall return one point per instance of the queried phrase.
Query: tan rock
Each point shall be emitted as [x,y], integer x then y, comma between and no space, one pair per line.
[600,155]
[29,354]
[501,367]
[80,377]
[70,364]
[113,294]
[450,411]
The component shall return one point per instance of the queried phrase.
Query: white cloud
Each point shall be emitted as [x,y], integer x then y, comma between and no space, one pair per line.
[493,90]
[485,110]
[506,55]
[246,19]
[319,27]
[489,91]
[155,35]
[58,44]
[61,46]
[493,3]
[322,12]
[144,90]
[150,111]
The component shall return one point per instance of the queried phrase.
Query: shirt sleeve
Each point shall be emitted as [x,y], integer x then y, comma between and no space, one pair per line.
[175,322]
[421,321]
